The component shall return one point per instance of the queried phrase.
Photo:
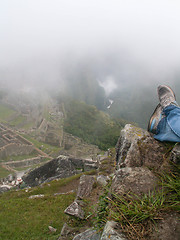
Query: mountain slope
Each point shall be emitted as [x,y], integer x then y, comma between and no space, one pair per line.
[92,125]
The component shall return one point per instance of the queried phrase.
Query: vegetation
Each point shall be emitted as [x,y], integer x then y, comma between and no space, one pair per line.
[91,125]
[24,218]
[138,214]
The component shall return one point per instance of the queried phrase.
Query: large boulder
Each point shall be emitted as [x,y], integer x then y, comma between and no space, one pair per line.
[61,167]
[137,180]
[136,148]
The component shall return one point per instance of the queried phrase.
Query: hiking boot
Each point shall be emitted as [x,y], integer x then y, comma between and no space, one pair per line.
[166,96]
[155,119]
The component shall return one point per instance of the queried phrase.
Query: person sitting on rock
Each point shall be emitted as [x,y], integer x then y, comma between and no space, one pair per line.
[165,120]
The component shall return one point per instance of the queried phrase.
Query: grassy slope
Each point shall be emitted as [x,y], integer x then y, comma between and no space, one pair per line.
[24,218]
[93,126]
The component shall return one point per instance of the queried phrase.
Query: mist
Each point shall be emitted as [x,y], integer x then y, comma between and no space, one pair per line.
[119,43]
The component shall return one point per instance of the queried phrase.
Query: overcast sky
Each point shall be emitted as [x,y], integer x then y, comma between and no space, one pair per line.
[143,36]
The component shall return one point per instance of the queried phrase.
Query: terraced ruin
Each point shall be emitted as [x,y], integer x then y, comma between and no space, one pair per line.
[17,153]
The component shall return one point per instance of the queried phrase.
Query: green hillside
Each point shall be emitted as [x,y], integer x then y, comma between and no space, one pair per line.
[92,125]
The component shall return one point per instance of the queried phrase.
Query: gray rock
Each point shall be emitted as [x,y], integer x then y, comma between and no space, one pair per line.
[89,234]
[4,188]
[85,186]
[61,167]
[137,180]
[103,180]
[75,210]
[128,135]
[112,231]
[36,196]
[175,154]
[51,229]
[67,231]
[168,228]
[136,148]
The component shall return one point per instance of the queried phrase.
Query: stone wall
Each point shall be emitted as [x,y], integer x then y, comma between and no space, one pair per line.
[15,149]
[13,144]
[25,162]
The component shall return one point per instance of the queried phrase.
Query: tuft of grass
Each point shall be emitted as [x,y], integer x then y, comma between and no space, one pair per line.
[171,186]
[133,209]
[102,212]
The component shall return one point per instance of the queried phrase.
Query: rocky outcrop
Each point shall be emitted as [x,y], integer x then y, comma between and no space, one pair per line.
[139,157]
[136,180]
[137,148]
[61,167]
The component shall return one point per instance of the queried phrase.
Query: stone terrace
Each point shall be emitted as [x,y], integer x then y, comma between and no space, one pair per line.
[7,136]
[12,144]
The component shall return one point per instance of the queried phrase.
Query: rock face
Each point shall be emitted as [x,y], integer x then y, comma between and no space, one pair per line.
[136,148]
[60,167]
[112,231]
[168,228]
[137,180]
[85,186]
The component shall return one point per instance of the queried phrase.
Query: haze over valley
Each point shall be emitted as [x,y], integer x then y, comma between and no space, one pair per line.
[92,51]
